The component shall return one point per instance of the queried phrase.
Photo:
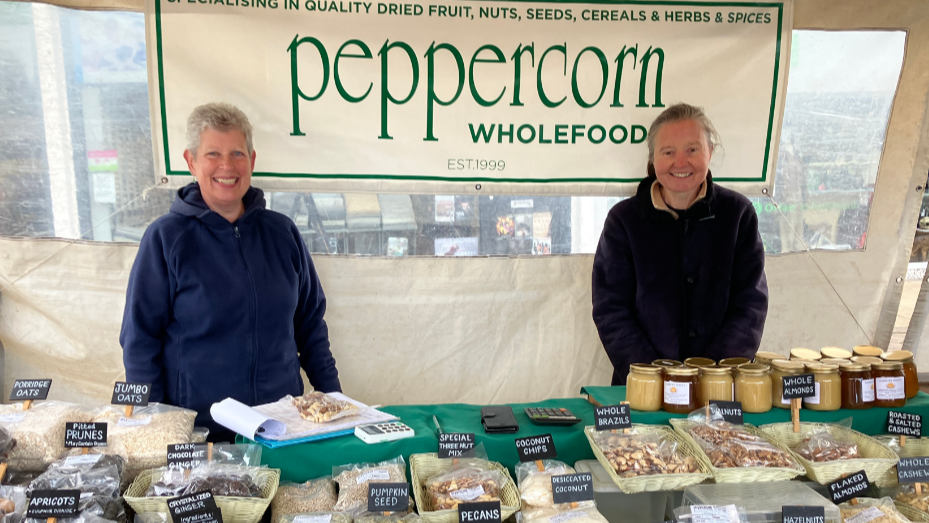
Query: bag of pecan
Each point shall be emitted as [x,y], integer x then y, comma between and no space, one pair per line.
[469,481]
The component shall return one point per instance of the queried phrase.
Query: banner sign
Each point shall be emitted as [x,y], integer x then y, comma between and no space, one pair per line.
[549,96]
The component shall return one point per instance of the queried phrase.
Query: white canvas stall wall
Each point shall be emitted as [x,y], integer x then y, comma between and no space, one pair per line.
[518,329]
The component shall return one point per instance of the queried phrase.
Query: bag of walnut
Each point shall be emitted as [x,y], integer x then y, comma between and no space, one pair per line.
[729,445]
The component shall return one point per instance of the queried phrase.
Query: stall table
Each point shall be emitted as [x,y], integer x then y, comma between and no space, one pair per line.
[306,461]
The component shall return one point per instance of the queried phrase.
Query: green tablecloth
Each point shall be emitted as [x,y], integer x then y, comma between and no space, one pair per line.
[312,460]
[868,421]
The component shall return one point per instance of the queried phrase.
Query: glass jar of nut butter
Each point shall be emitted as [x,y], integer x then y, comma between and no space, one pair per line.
[753,387]
[680,389]
[909,370]
[779,369]
[715,384]
[889,384]
[767,357]
[836,353]
[828,387]
[644,387]
[804,354]
[699,362]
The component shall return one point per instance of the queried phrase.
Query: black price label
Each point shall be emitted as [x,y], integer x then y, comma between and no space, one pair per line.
[800,386]
[30,390]
[801,514]
[456,445]
[904,424]
[131,393]
[183,507]
[913,470]
[483,512]
[388,497]
[571,488]
[184,456]
[85,434]
[533,448]
[53,504]
[612,417]
[731,411]
[849,487]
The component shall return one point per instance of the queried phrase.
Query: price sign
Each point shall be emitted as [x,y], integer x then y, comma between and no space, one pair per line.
[571,488]
[184,456]
[199,507]
[730,410]
[849,487]
[53,504]
[904,424]
[533,448]
[801,514]
[482,512]
[612,417]
[79,435]
[131,393]
[388,497]
[30,390]
[801,386]
[913,470]
[456,445]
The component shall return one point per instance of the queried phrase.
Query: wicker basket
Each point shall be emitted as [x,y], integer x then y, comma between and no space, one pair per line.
[656,482]
[425,466]
[743,474]
[234,509]
[915,448]
[876,460]
[912,513]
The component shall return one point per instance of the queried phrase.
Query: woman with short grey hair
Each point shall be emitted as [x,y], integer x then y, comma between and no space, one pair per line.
[223,299]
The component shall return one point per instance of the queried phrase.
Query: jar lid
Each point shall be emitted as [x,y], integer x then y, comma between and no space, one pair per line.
[754,369]
[887,365]
[681,371]
[667,363]
[770,356]
[854,366]
[645,368]
[834,361]
[903,356]
[867,350]
[835,352]
[733,362]
[716,370]
[866,359]
[699,362]
[822,368]
[801,353]
[792,366]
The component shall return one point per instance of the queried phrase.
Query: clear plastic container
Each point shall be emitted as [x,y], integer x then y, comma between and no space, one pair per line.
[759,502]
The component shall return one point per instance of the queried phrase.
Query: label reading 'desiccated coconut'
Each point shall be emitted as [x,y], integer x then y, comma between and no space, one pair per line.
[467,494]
[890,388]
[867,390]
[133,422]
[869,514]
[676,393]
[567,516]
[320,518]
[373,475]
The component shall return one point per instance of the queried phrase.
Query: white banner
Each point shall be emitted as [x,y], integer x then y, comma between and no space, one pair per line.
[528,97]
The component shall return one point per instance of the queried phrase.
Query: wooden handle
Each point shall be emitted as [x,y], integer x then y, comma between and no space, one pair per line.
[574,504]
[625,431]
[539,465]
[795,413]
[209,452]
[85,450]
[26,406]
[454,461]
[51,520]
[919,489]
[2,471]
[902,441]
[707,410]
[129,409]
[854,501]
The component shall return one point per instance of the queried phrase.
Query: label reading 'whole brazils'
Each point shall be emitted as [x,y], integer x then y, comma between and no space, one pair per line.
[612,417]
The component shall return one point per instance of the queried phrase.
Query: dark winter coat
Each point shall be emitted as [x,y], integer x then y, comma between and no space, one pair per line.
[679,287]
[217,309]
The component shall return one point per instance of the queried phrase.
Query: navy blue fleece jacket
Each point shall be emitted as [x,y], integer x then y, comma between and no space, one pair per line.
[217,309]
[677,287]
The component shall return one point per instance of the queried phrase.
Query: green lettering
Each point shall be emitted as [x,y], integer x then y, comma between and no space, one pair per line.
[365,53]
[430,84]
[620,64]
[605,70]
[517,70]
[500,58]
[386,96]
[542,96]
[295,92]
[644,61]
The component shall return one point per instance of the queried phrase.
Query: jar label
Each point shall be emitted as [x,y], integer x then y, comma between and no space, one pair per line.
[814,399]
[867,390]
[677,393]
[890,388]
